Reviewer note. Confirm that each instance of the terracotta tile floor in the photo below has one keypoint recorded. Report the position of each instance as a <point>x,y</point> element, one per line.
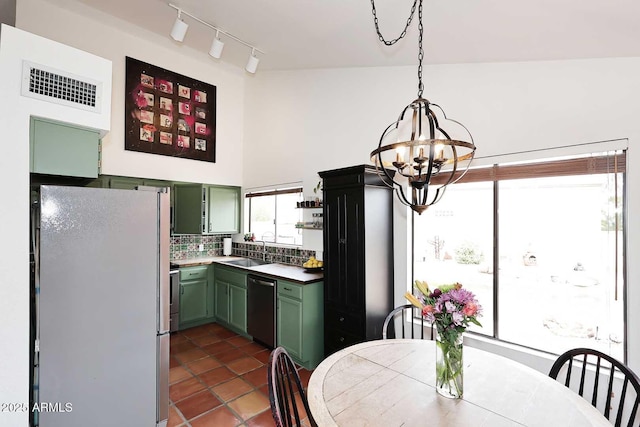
<point>218,378</point>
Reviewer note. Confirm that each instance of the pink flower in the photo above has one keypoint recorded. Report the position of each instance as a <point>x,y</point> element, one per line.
<point>427,309</point>
<point>470,309</point>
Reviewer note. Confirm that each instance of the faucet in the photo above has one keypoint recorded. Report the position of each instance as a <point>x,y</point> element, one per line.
<point>264,243</point>
<point>264,249</point>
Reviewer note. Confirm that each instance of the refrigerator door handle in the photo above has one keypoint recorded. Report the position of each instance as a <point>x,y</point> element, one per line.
<point>163,380</point>
<point>164,314</point>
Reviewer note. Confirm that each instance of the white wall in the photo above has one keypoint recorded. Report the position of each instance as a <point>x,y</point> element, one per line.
<point>93,31</point>
<point>290,125</point>
<point>326,119</point>
<point>15,112</point>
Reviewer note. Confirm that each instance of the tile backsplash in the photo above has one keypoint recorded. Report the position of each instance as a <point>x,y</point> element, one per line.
<point>279,254</point>
<point>185,246</point>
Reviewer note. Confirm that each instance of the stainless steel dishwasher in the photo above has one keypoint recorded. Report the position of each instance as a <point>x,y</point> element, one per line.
<point>261,309</point>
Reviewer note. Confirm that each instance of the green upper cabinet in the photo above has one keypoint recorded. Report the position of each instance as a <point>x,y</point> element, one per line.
<point>124,183</point>
<point>224,210</point>
<point>63,149</point>
<point>206,209</point>
<point>189,209</point>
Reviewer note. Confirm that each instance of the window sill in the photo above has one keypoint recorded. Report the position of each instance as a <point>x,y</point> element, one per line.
<point>535,359</point>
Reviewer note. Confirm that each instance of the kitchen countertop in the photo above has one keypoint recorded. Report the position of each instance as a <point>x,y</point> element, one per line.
<point>277,271</point>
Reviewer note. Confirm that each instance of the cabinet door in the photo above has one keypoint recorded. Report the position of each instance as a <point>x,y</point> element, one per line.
<point>290,325</point>
<point>188,209</point>
<point>155,183</point>
<point>222,301</point>
<point>124,183</point>
<point>193,300</point>
<point>224,210</point>
<point>238,307</point>
<point>344,243</point>
<point>63,149</point>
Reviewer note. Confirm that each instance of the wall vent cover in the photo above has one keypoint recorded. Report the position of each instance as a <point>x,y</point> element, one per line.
<point>60,87</point>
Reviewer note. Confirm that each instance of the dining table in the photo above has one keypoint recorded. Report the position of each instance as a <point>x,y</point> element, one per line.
<point>392,383</point>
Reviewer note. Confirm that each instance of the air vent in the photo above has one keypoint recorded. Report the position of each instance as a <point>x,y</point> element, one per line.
<point>59,87</point>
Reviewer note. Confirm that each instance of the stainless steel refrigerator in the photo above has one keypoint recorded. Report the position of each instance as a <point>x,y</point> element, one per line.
<point>102,307</point>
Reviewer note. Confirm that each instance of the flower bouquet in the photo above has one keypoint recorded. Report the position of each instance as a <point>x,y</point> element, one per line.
<point>451,309</point>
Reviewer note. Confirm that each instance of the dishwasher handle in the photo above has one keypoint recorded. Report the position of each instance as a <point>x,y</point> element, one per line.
<point>260,281</point>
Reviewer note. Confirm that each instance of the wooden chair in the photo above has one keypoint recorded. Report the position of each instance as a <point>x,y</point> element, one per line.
<point>619,390</point>
<point>286,395</point>
<point>401,311</point>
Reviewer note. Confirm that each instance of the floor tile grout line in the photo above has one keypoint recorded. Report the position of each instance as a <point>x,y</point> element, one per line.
<point>224,403</point>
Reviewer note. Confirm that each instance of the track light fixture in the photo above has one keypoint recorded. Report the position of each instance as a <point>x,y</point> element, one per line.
<point>180,30</point>
<point>252,63</point>
<point>216,46</point>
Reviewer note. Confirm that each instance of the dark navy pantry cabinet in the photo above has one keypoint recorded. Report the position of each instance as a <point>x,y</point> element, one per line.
<point>358,255</point>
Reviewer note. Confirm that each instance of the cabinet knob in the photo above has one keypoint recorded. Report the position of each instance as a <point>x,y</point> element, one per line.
<point>342,241</point>
<point>341,339</point>
<point>287,289</point>
<point>342,319</point>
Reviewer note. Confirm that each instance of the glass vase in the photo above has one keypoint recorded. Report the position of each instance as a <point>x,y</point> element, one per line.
<point>449,368</point>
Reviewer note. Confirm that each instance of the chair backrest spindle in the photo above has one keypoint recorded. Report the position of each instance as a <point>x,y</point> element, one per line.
<point>284,383</point>
<point>617,396</point>
<point>400,312</point>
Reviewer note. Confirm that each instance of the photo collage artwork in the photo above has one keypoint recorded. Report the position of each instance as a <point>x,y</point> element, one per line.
<point>169,114</point>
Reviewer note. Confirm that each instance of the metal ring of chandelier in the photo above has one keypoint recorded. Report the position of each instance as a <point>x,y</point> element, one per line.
<point>436,158</point>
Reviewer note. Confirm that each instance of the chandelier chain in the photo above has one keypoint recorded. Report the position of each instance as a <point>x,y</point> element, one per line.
<point>404,32</point>
<point>420,51</point>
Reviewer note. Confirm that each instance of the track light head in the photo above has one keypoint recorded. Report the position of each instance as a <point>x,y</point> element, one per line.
<point>252,63</point>
<point>179,29</point>
<point>216,47</point>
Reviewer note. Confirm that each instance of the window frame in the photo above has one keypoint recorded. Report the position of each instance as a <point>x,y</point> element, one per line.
<point>601,163</point>
<point>297,189</point>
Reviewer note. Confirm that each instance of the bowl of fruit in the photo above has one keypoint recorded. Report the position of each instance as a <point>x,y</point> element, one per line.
<point>312,265</point>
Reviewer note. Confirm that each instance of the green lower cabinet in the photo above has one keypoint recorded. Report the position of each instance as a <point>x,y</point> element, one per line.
<point>222,301</point>
<point>300,321</point>
<point>196,296</point>
<point>193,301</point>
<point>238,307</point>
<point>231,298</point>
<point>290,326</point>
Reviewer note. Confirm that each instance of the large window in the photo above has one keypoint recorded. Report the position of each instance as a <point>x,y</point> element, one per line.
<point>272,215</point>
<point>541,245</point>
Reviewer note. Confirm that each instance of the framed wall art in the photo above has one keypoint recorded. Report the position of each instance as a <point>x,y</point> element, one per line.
<point>169,114</point>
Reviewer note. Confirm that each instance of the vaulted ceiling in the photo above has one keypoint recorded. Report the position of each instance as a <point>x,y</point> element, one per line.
<point>299,34</point>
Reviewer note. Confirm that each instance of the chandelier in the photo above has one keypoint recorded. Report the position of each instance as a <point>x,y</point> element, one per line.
<point>416,155</point>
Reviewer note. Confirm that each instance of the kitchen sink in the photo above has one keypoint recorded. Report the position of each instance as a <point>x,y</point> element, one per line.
<point>247,262</point>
